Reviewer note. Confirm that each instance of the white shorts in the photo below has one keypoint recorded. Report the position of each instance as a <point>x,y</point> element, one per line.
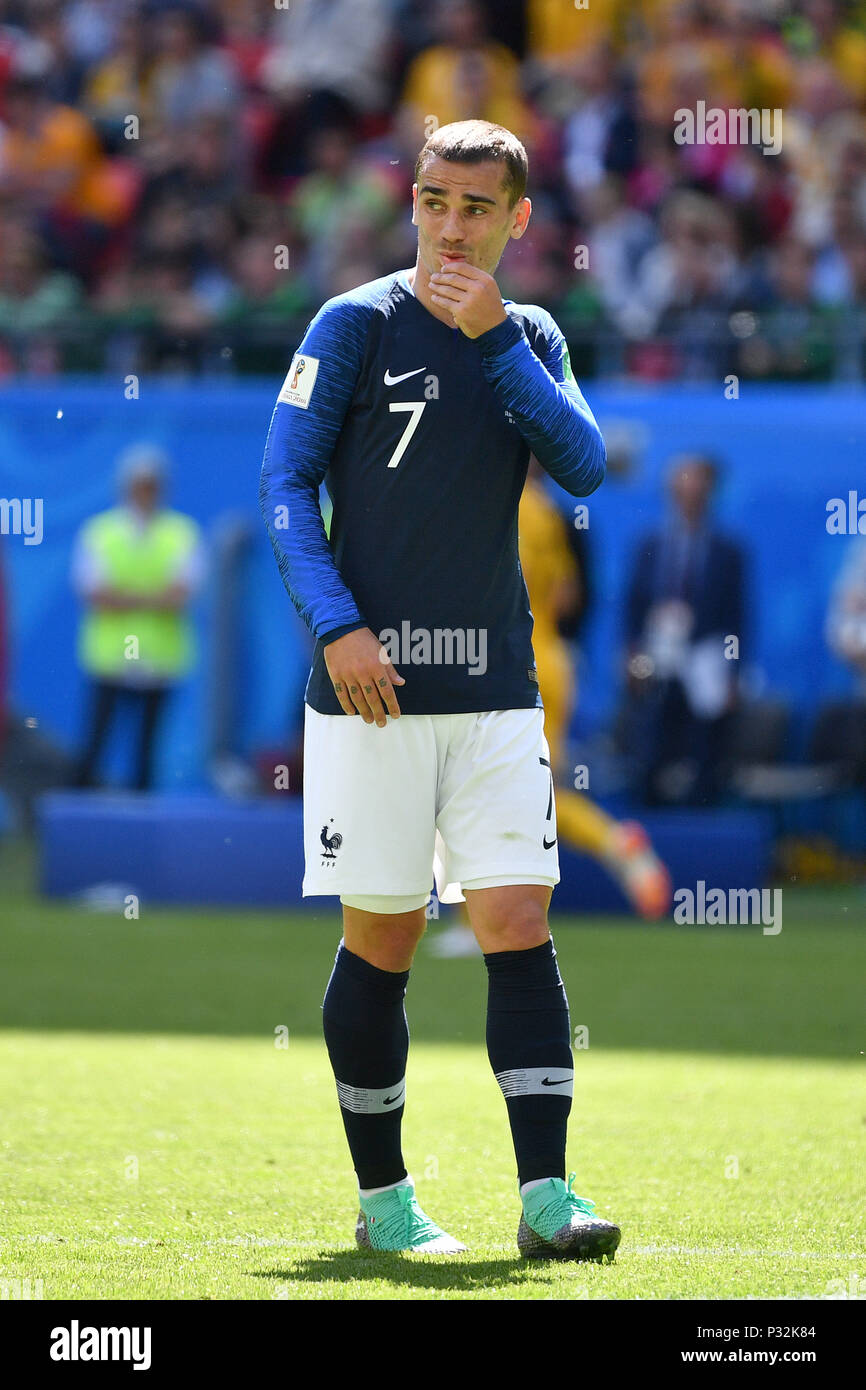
<point>466,799</point>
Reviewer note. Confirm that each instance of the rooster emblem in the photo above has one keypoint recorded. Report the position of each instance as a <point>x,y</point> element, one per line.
<point>331,842</point>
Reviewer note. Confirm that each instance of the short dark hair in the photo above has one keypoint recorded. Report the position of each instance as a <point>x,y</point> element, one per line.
<point>473,142</point>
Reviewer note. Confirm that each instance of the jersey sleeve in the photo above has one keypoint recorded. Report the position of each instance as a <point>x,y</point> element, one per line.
<point>304,428</point>
<point>538,387</point>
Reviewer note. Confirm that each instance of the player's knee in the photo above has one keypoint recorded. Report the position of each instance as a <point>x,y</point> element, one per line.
<point>393,948</point>
<point>522,926</point>
<point>386,940</point>
<point>404,936</point>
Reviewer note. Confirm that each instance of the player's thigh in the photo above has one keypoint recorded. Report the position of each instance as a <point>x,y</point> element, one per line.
<point>369,805</point>
<point>384,939</point>
<point>496,812</point>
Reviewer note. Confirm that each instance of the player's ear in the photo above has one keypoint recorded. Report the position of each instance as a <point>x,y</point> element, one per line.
<point>522,214</point>
<point>414,205</point>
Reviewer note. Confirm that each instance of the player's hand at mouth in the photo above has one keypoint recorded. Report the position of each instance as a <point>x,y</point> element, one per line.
<point>363,677</point>
<point>470,295</point>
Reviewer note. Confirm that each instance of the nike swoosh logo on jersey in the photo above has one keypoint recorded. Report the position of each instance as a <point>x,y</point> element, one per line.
<point>547,1081</point>
<point>552,842</point>
<point>392,380</point>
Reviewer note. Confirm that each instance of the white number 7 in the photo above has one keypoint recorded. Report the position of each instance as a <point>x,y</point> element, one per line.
<point>416,408</point>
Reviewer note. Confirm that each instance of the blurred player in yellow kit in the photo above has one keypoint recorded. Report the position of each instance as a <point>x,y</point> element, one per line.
<point>553,582</point>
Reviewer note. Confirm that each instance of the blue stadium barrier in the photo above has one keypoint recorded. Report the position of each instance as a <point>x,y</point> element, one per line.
<point>200,850</point>
<point>784,452</point>
<point>725,849</point>
<point>172,849</point>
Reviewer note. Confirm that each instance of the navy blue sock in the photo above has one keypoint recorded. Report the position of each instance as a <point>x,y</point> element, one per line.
<point>529,1046</point>
<point>368,1042</point>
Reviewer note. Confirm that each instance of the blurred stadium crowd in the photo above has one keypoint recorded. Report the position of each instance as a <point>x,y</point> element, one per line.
<point>181,185</point>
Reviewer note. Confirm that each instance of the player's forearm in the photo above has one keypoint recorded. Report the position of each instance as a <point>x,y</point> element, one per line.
<point>289,499</point>
<point>552,416</point>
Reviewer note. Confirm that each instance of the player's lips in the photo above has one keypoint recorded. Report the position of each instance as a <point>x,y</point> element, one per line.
<point>452,255</point>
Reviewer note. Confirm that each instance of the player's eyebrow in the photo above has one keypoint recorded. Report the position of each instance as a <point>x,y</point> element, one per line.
<point>468,197</point>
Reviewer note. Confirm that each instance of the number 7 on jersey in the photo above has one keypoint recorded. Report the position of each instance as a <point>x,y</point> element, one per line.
<point>416,409</point>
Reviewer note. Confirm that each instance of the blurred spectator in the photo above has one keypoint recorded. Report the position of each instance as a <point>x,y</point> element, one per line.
<point>34,299</point>
<point>121,83</point>
<point>685,602</point>
<point>50,155</point>
<point>845,230</point>
<point>557,33</point>
<point>600,137</point>
<point>466,74</point>
<point>336,46</point>
<point>192,77</point>
<point>52,166</point>
<point>539,268</point>
<point>193,203</point>
<point>49,56</point>
<point>341,206</point>
<point>686,283</point>
<point>91,29</point>
<point>791,337</point>
<point>135,567</point>
<point>246,111</point>
<point>688,58</point>
<point>169,302</point>
<point>328,66</point>
<point>265,294</point>
<point>619,238</point>
<point>834,30</point>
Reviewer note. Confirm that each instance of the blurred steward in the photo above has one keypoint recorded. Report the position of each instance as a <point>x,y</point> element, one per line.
<point>136,568</point>
<point>4,682</point>
<point>846,636</point>
<point>684,627</point>
<point>846,617</point>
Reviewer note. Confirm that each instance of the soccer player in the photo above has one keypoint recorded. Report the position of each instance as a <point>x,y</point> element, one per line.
<point>419,397</point>
<point>549,568</point>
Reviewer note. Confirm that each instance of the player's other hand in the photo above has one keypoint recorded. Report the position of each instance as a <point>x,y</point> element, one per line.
<point>470,295</point>
<point>363,677</point>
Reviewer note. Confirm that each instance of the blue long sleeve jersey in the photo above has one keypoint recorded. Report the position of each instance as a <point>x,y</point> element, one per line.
<point>423,438</point>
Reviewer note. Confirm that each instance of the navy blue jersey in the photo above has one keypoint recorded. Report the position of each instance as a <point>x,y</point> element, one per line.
<point>423,438</point>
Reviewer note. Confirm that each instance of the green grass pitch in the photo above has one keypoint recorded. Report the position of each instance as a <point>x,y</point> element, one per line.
<point>159,1141</point>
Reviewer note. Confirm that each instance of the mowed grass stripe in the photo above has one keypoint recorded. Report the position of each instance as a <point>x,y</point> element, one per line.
<point>238,1149</point>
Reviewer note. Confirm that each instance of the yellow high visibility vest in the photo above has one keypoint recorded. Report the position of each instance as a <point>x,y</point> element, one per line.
<point>138,643</point>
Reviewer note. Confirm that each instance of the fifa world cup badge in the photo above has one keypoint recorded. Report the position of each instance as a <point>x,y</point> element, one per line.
<point>300,380</point>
